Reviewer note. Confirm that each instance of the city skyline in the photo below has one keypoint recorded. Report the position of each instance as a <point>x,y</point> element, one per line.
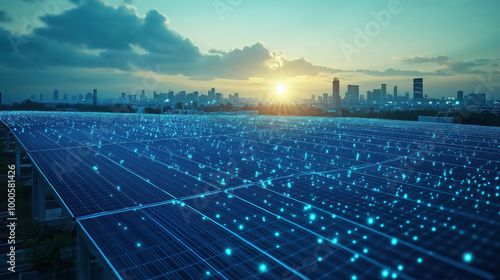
<point>159,46</point>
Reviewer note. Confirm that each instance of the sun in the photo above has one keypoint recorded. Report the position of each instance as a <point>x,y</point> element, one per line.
<point>281,89</point>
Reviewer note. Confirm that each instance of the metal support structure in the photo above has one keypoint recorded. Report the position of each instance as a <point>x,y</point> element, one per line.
<point>7,140</point>
<point>34,194</point>
<point>38,197</point>
<point>18,159</point>
<point>83,258</point>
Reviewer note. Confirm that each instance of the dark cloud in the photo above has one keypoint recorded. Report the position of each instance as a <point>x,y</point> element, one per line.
<point>4,17</point>
<point>450,65</point>
<point>95,35</point>
<point>391,72</point>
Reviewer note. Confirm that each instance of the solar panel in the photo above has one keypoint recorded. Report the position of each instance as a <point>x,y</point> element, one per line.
<point>236,197</point>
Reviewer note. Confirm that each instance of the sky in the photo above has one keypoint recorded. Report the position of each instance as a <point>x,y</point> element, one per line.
<point>249,47</point>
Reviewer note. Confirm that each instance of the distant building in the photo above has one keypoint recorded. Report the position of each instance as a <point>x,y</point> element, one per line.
<point>56,95</point>
<point>211,95</point>
<point>418,89</point>
<point>124,96</point>
<point>33,97</point>
<point>218,97</point>
<point>384,92</point>
<point>41,96</point>
<point>325,98</point>
<point>336,92</point>
<point>395,94</point>
<point>65,97</point>
<point>143,96</point>
<point>94,98</point>
<point>369,97</point>
<point>460,96</point>
<point>352,96</point>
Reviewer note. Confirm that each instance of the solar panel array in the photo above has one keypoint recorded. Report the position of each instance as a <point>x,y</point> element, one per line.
<point>239,197</point>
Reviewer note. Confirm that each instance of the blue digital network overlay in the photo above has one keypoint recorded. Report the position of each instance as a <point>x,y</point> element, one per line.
<point>244,197</point>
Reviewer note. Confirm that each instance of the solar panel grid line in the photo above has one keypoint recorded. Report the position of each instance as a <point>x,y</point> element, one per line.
<point>427,193</point>
<point>417,133</point>
<point>426,252</point>
<point>433,144</point>
<point>404,276</point>
<point>424,151</point>
<point>152,159</point>
<point>134,173</point>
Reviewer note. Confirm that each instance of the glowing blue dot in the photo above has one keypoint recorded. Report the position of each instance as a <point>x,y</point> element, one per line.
<point>365,250</point>
<point>394,241</point>
<point>217,216</point>
<point>95,168</point>
<point>394,275</point>
<point>228,252</point>
<point>433,229</point>
<point>320,240</point>
<point>138,244</point>
<point>263,267</point>
<point>415,238</point>
<point>320,259</point>
<point>419,260</point>
<point>400,267</point>
<point>276,234</point>
<point>370,221</point>
<point>385,273</point>
<point>354,277</point>
<point>467,257</point>
<point>312,217</point>
<point>207,273</point>
<point>334,240</point>
<point>240,227</point>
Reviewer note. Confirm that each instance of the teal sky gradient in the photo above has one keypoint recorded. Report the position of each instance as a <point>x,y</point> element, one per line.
<point>465,31</point>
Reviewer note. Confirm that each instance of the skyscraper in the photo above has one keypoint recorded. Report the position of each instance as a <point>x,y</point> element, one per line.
<point>143,96</point>
<point>384,91</point>
<point>41,96</point>
<point>211,95</point>
<point>325,98</point>
<point>336,93</point>
<point>94,98</point>
<point>65,97</point>
<point>352,94</point>
<point>56,95</point>
<point>395,94</point>
<point>460,96</point>
<point>124,95</point>
<point>418,89</point>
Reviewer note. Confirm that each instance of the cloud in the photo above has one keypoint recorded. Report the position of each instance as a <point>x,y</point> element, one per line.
<point>391,72</point>
<point>95,35</point>
<point>4,17</point>
<point>450,65</point>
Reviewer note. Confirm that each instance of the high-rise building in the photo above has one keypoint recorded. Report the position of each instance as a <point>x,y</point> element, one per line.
<point>211,95</point>
<point>336,91</point>
<point>460,96</point>
<point>377,95</point>
<point>325,98</point>
<point>94,98</point>
<point>313,98</point>
<point>56,95</point>
<point>395,94</point>
<point>352,96</point>
<point>218,97</point>
<point>41,96</point>
<point>369,97</point>
<point>384,91</point>
<point>124,96</point>
<point>143,96</point>
<point>196,96</point>
<point>65,97</point>
<point>418,89</point>
<point>33,97</point>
